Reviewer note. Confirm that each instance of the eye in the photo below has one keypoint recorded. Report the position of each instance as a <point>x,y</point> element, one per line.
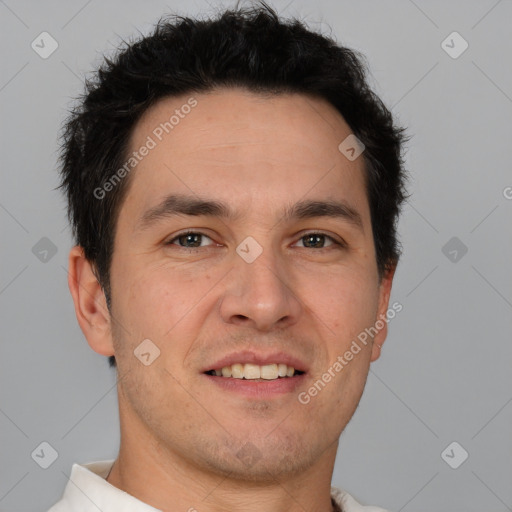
<point>318,241</point>
<point>190,240</point>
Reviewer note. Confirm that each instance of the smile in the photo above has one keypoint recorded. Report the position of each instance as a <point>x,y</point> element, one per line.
<point>250,371</point>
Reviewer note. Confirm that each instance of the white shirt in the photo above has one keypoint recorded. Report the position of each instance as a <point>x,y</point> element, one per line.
<point>88,491</point>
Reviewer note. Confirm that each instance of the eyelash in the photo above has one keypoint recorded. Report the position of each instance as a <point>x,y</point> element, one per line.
<point>190,232</point>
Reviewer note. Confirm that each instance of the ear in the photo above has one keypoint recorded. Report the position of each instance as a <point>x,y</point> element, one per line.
<point>90,303</point>
<point>384,294</point>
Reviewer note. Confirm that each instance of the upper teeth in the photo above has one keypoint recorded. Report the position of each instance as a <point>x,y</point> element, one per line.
<point>254,371</point>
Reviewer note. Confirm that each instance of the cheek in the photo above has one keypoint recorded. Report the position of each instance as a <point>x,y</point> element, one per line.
<point>156,300</point>
<point>344,301</point>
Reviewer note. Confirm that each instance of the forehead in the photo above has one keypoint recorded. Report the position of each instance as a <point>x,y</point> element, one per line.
<point>250,149</point>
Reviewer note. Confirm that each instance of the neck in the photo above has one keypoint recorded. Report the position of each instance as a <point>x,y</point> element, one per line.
<point>164,480</point>
<point>170,491</point>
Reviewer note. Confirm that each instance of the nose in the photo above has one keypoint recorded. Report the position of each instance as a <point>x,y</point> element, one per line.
<point>260,294</point>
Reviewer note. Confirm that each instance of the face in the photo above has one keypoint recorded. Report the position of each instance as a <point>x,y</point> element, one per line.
<point>244,244</point>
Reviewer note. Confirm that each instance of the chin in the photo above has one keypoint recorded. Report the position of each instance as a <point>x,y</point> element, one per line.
<point>262,460</point>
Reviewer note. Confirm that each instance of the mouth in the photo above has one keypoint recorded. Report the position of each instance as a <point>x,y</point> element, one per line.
<point>255,372</point>
<point>257,376</point>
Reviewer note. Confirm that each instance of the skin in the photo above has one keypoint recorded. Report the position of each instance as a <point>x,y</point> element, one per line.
<point>180,434</point>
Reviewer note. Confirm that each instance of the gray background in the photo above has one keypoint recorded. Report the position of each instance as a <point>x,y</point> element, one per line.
<point>444,374</point>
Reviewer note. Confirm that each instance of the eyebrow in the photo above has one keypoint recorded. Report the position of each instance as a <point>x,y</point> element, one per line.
<point>181,204</point>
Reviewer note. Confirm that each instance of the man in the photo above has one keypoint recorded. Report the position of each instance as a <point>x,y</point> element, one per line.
<point>234,187</point>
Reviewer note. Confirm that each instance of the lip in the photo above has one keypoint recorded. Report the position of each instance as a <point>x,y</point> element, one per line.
<point>257,388</point>
<point>251,357</point>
